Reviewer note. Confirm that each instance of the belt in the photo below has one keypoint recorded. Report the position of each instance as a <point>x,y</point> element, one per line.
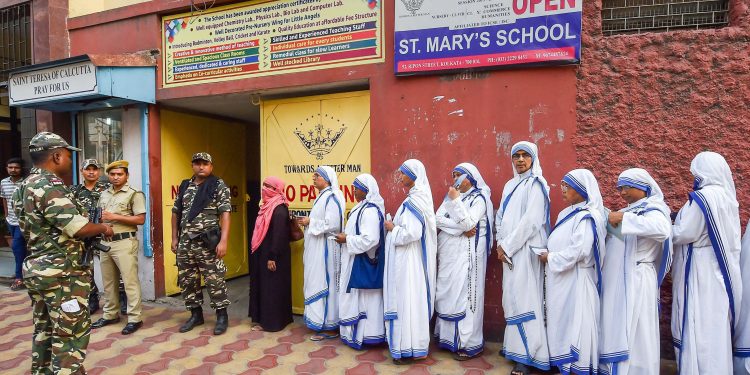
<point>122,236</point>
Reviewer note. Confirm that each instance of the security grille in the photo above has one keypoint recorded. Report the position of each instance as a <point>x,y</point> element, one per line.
<point>15,38</point>
<point>640,16</point>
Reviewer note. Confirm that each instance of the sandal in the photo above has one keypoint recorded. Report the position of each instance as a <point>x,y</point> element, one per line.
<point>461,356</point>
<point>257,328</point>
<point>323,336</point>
<point>17,285</point>
<point>520,369</point>
<point>402,361</point>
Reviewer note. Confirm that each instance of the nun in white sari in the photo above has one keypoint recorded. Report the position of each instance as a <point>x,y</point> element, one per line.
<point>322,256</point>
<point>362,265</point>
<point>465,223</point>
<point>522,224</point>
<point>707,285</point>
<point>409,280</point>
<point>573,266</point>
<point>742,336</point>
<point>638,258</point>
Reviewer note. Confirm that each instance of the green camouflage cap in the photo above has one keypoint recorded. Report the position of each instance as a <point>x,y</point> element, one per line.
<point>202,156</point>
<point>49,141</point>
<point>88,162</point>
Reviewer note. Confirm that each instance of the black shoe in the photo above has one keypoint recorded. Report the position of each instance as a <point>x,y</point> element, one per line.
<point>123,303</point>
<point>131,327</point>
<point>104,322</point>
<point>222,321</point>
<point>93,304</point>
<point>196,319</point>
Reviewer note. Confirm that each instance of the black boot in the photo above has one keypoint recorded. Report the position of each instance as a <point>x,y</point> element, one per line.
<point>123,303</point>
<point>196,319</point>
<point>222,321</point>
<point>93,303</point>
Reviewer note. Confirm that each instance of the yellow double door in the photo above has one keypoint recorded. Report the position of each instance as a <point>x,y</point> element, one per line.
<point>297,135</point>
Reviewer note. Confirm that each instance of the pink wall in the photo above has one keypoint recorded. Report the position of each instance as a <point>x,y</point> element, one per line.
<point>656,100</point>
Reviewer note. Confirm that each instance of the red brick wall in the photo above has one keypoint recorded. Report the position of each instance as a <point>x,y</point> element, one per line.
<point>656,100</point>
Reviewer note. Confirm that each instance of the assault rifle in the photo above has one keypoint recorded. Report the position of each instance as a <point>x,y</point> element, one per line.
<point>94,244</point>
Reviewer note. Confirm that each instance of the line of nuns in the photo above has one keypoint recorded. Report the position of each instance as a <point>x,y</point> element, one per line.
<point>581,295</point>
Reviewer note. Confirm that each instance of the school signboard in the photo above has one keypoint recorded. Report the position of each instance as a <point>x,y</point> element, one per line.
<point>443,35</point>
<point>261,38</point>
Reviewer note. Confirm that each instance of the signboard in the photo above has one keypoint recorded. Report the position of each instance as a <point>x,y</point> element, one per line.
<point>59,82</point>
<point>300,134</point>
<point>270,37</point>
<point>443,35</point>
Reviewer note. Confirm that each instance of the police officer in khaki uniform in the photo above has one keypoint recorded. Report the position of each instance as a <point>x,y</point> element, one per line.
<point>54,272</point>
<point>125,208</point>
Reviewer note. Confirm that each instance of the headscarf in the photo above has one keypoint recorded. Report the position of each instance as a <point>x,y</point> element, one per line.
<point>420,194</point>
<point>531,149</point>
<point>711,169</point>
<point>534,172</point>
<point>272,197</point>
<point>716,196</point>
<point>367,183</point>
<point>329,174</point>
<point>640,179</point>
<point>473,175</point>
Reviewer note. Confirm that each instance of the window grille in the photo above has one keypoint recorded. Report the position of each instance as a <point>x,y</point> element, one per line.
<point>15,38</point>
<point>640,16</point>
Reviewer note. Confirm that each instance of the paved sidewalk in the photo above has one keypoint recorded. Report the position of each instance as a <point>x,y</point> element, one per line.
<point>158,348</point>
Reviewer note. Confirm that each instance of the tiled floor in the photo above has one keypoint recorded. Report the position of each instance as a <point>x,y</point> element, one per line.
<point>158,348</point>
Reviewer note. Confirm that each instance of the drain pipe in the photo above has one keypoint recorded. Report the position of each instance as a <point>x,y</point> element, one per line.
<point>148,248</point>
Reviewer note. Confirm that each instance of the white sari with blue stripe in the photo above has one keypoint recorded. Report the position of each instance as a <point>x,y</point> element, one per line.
<point>462,265</point>
<point>630,311</point>
<point>637,261</point>
<point>742,336</point>
<point>572,296</point>
<point>322,262</point>
<point>409,279</point>
<point>523,225</point>
<point>707,285</point>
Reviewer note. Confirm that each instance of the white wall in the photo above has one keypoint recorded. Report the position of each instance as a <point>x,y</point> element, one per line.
<point>131,144</point>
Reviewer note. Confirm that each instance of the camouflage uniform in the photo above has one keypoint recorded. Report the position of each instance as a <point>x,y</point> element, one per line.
<point>57,281</point>
<point>194,258</point>
<point>87,200</point>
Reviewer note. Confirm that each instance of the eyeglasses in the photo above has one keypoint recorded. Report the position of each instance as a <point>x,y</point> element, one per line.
<point>624,188</point>
<point>518,156</point>
<point>564,187</point>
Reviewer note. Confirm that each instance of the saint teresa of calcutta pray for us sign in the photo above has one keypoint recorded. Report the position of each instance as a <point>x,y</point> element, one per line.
<point>439,35</point>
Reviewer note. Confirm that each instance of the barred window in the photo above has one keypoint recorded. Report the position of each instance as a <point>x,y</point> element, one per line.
<point>640,16</point>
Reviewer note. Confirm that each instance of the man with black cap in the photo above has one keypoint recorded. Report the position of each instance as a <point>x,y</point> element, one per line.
<point>124,207</point>
<point>200,229</point>
<point>54,273</point>
<point>87,196</point>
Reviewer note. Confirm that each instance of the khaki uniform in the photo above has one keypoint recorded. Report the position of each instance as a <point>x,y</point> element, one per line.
<point>122,259</point>
<point>57,281</point>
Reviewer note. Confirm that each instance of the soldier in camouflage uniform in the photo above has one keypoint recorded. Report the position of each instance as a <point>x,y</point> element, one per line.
<point>200,212</point>
<point>87,196</point>
<point>57,281</point>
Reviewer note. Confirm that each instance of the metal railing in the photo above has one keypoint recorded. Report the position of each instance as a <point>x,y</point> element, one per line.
<point>640,16</point>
